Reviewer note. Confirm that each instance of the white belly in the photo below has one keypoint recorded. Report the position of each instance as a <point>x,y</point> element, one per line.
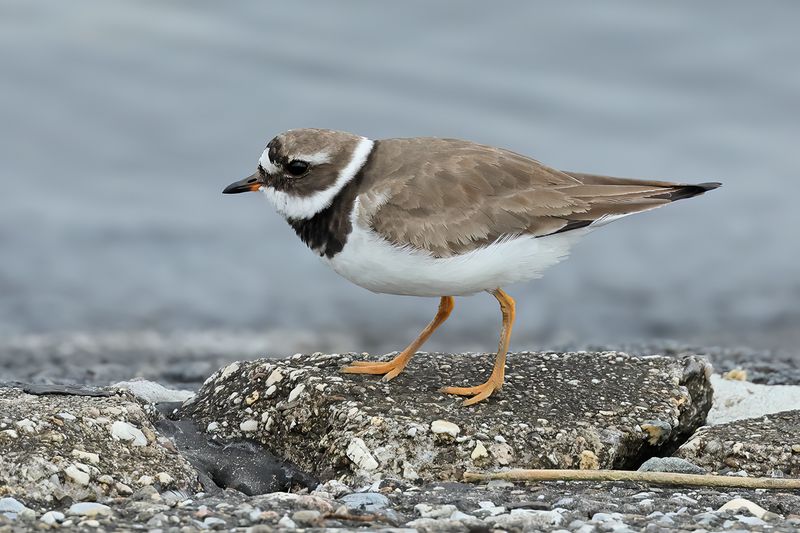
<point>375,264</point>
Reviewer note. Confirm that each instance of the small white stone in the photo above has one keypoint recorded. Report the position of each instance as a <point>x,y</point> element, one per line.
<point>164,478</point>
<point>358,452</point>
<point>297,391</point>
<point>287,523</point>
<point>249,425</point>
<point>739,503</point>
<point>10,433</point>
<point>273,378</point>
<point>52,517</point>
<point>212,427</point>
<point>479,451</point>
<point>499,438</point>
<point>77,475</point>
<point>123,489</point>
<point>409,472</point>
<point>89,509</point>
<point>26,425</point>
<point>146,480</point>
<point>230,369</point>
<point>127,432</point>
<point>271,390</point>
<point>86,456</point>
<point>67,416</point>
<point>412,432</point>
<point>443,426</point>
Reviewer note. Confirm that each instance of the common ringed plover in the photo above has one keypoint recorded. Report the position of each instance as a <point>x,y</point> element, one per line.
<point>439,217</point>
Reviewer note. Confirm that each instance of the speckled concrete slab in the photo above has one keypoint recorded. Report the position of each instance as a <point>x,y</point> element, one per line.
<point>765,446</point>
<point>557,410</point>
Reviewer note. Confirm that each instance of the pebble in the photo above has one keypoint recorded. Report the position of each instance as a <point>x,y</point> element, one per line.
<point>287,523</point>
<point>89,509</point>
<point>737,504</point>
<point>249,425</point>
<point>426,510</point>
<point>274,377</point>
<point>127,432</point>
<point>306,517</point>
<point>479,451</point>
<point>52,517</point>
<point>365,501</point>
<point>670,464</point>
<point>77,475</point>
<point>296,392</point>
<point>445,427</point>
<point>11,505</point>
<point>358,452</point>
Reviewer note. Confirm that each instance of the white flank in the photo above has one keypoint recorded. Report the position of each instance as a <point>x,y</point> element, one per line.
<point>302,207</point>
<point>376,264</point>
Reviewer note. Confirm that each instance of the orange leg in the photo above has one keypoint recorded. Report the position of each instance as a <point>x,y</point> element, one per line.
<point>391,369</point>
<point>495,381</point>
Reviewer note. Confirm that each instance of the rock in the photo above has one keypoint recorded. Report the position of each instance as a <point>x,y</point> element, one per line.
<point>357,428</point>
<point>443,426</point>
<point>76,456</point>
<point>479,452</point>
<point>306,517</point>
<point>11,507</point>
<point>152,392</point>
<point>670,464</point>
<point>360,455</point>
<point>89,509</point>
<point>77,474</point>
<point>52,517</point>
<point>369,502</point>
<point>759,447</point>
<point>738,400</point>
<point>125,431</point>
<point>737,504</point>
<point>287,523</point>
<point>426,510</point>
<point>526,519</point>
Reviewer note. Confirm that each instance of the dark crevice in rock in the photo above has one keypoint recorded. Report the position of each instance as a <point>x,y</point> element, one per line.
<point>241,464</point>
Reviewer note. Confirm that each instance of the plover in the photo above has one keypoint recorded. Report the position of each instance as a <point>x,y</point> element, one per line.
<point>439,218</point>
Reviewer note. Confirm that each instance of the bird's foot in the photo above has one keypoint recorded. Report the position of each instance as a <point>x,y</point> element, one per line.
<point>478,393</point>
<point>389,369</point>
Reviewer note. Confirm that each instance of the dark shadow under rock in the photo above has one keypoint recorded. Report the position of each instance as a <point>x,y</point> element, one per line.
<point>764,446</point>
<point>556,410</point>
<point>240,464</point>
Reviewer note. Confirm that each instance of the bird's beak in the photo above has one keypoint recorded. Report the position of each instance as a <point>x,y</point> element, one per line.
<point>248,184</point>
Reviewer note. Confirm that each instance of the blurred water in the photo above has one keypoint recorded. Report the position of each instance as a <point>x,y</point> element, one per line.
<point>120,122</point>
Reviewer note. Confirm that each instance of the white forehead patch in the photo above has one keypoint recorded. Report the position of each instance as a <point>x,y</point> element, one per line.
<point>303,207</point>
<point>266,163</point>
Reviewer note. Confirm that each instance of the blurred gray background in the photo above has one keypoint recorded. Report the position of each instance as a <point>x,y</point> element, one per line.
<point>120,123</point>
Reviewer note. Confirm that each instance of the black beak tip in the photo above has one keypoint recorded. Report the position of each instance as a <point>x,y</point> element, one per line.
<point>247,184</point>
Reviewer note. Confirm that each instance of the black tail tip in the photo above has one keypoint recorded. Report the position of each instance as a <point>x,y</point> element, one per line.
<point>710,186</point>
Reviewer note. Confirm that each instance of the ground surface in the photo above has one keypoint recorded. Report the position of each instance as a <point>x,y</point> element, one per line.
<point>88,458</point>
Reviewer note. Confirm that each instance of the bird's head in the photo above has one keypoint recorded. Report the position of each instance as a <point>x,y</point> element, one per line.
<point>301,170</point>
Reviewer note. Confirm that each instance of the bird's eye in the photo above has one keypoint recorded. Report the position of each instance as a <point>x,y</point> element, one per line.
<point>297,167</point>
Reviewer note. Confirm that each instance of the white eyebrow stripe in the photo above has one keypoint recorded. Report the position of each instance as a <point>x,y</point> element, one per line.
<point>315,159</point>
<point>304,207</point>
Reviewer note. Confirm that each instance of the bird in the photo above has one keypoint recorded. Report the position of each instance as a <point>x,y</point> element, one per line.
<point>439,217</point>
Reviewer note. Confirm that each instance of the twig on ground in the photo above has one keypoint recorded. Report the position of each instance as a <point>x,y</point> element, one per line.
<point>654,478</point>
